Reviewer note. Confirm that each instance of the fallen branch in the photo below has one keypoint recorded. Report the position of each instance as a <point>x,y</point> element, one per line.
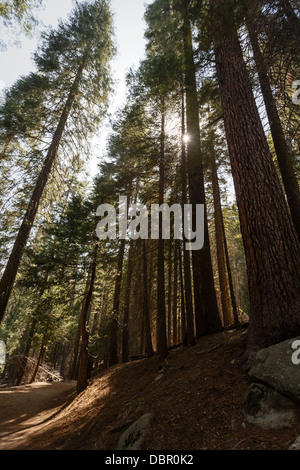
<point>40,367</point>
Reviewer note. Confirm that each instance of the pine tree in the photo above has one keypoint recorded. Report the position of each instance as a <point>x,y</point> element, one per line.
<point>75,57</point>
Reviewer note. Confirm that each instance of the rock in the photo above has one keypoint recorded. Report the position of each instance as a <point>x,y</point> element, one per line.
<point>296,445</point>
<point>134,436</point>
<point>268,409</point>
<point>274,367</point>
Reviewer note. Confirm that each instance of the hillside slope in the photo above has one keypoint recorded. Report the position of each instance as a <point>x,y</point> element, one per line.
<point>196,398</point>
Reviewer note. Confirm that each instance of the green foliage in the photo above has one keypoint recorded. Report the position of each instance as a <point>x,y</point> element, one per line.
<point>18,16</point>
<point>20,11</point>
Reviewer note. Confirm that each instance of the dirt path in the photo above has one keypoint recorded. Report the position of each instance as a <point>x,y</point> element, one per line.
<point>23,409</point>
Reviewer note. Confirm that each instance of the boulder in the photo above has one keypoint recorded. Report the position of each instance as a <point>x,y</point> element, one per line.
<point>295,445</point>
<point>266,408</point>
<point>134,437</point>
<point>277,367</point>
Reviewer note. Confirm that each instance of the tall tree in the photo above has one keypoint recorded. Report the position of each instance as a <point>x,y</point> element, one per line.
<point>284,157</point>
<point>188,303</point>
<point>82,380</point>
<point>77,56</point>
<point>270,241</point>
<point>220,245</point>
<point>206,308</point>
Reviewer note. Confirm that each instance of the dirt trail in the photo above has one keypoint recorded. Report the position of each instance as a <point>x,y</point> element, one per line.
<point>24,409</point>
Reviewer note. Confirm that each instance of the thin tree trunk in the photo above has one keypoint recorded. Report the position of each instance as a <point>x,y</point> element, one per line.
<point>189,310</point>
<point>284,157</point>
<point>82,380</point>
<point>40,357</point>
<point>229,272</point>
<point>65,354</point>
<point>169,329</point>
<point>271,244</point>
<point>146,304</point>
<point>227,314</point>
<point>162,344</point>
<point>113,345</point>
<point>175,296</point>
<point>125,332</point>
<point>73,369</point>
<point>182,291</point>
<point>25,354</point>
<point>9,275</point>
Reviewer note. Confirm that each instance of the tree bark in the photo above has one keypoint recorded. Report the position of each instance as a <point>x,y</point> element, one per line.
<point>146,303</point>
<point>40,357</point>
<point>125,332</point>
<point>25,354</point>
<point>227,314</point>
<point>284,157</point>
<point>270,240</point>
<point>113,345</point>
<point>182,292</point>
<point>82,380</point>
<point>162,344</point>
<point>189,308</point>
<point>206,308</point>
<point>230,280</point>
<point>175,296</point>
<point>169,314</point>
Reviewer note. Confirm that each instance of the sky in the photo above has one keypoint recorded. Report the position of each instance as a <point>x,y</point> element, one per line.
<point>129,32</point>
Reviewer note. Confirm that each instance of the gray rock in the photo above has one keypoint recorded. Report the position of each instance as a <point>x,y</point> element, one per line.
<point>274,367</point>
<point>268,409</point>
<point>296,445</point>
<point>134,437</point>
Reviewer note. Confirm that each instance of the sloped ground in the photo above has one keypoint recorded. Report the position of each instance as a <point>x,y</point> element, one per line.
<point>196,398</point>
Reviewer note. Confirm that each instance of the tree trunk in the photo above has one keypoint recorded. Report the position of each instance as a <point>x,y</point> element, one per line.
<point>65,354</point>
<point>40,357</point>
<point>125,332</point>
<point>82,380</point>
<point>169,323</point>
<point>270,240</point>
<point>113,345</point>
<point>146,309</point>
<point>284,157</point>
<point>231,286</point>
<point>189,309</point>
<point>227,314</point>
<point>162,345</point>
<point>175,296</point>
<point>73,369</point>
<point>9,275</point>
<point>182,292</point>
<point>206,308</point>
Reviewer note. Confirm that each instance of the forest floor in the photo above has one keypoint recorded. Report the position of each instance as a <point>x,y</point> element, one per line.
<point>196,398</point>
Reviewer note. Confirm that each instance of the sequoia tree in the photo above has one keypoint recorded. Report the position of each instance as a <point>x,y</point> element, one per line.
<point>284,157</point>
<point>270,240</point>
